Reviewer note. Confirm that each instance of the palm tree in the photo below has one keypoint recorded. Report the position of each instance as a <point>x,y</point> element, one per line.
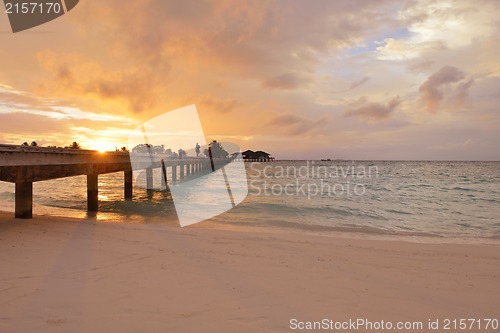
<point>217,150</point>
<point>74,145</point>
<point>142,148</point>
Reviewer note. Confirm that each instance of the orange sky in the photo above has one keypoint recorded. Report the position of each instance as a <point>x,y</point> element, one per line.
<point>300,79</point>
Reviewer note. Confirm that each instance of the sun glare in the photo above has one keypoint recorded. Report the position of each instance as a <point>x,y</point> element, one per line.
<point>101,146</point>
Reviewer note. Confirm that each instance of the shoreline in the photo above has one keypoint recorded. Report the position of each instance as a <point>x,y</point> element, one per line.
<point>320,231</point>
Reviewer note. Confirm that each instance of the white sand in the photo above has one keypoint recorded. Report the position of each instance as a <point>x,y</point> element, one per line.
<point>80,276</point>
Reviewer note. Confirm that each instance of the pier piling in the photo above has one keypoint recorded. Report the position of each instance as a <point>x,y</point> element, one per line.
<point>128,184</point>
<point>174,172</point>
<point>164,180</point>
<point>24,200</point>
<point>92,193</point>
<point>149,178</point>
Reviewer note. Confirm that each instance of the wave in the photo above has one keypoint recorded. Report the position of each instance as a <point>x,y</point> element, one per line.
<point>325,211</point>
<point>467,189</point>
<point>469,226</point>
<point>398,212</point>
<point>286,224</point>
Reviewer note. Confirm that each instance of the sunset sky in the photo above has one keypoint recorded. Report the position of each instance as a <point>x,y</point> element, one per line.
<point>417,80</point>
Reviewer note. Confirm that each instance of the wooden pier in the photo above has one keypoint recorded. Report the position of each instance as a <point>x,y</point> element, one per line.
<point>24,165</point>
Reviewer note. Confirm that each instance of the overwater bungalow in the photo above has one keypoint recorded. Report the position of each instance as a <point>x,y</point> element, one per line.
<point>256,156</point>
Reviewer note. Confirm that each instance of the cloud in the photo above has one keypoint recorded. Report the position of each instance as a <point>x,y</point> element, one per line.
<point>18,127</point>
<point>296,125</point>
<point>362,108</point>
<point>447,83</point>
<point>419,66</point>
<point>27,117</point>
<point>154,52</point>
<point>437,26</point>
<point>76,76</point>
<point>14,100</point>
<point>28,123</point>
<point>257,40</point>
<point>213,103</point>
<point>287,81</point>
<point>393,49</point>
<point>451,22</point>
<point>355,84</point>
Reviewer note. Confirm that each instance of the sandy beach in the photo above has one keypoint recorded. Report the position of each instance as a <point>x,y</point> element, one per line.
<point>63,275</point>
<point>250,166</point>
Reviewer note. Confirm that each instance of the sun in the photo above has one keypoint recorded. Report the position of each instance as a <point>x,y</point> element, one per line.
<point>101,146</point>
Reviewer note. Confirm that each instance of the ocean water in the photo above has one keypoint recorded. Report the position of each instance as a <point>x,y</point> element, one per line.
<point>448,199</point>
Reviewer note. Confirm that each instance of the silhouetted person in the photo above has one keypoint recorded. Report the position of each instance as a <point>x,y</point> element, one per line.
<point>197,149</point>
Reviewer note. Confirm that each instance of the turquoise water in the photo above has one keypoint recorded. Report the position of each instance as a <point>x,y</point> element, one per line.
<point>410,198</point>
<point>416,198</point>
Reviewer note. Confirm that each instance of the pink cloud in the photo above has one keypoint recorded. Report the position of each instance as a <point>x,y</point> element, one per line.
<point>372,110</point>
<point>448,83</point>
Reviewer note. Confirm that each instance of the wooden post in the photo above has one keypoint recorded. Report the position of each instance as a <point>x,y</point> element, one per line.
<point>24,200</point>
<point>149,178</point>
<point>211,158</point>
<point>174,172</point>
<point>128,185</point>
<point>92,193</point>
<point>181,174</point>
<point>188,169</point>
<point>164,180</point>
